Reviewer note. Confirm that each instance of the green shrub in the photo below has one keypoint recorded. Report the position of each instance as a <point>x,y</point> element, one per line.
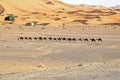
<point>10,18</point>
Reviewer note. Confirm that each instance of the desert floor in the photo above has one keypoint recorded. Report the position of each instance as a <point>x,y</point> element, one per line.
<point>59,60</point>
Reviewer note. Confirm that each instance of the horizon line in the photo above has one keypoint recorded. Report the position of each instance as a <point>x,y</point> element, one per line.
<point>97,4</point>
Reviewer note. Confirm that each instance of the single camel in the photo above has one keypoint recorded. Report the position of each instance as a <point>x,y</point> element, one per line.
<point>99,39</point>
<point>85,39</point>
<point>93,40</point>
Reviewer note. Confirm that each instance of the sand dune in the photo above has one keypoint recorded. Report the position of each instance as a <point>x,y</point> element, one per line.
<point>56,13</point>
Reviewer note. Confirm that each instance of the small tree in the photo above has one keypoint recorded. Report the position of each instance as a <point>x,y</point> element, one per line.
<point>10,18</point>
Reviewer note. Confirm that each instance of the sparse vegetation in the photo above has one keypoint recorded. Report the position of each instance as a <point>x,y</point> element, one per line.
<point>41,66</point>
<point>27,18</point>
<point>80,65</point>
<point>10,18</point>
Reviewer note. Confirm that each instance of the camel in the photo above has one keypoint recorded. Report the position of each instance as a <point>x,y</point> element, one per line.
<point>80,39</point>
<point>99,39</point>
<point>45,38</point>
<point>69,39</point>
<point>55,39</point>
<point>93,40</point>
<point>20,38</point>
<point>59,39</point>
<point>26,38</point>
<point>73,39</point>
<point>64,39</point>
<point>35,38</point>
<point>40,38</point>
<point>85,39</point>
<point>30,38</point>
<point>50,38</point>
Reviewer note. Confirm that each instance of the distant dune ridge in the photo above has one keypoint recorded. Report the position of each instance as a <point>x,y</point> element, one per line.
<point>49,11</point>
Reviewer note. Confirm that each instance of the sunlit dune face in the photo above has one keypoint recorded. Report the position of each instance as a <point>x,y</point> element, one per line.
<point>57,13</point>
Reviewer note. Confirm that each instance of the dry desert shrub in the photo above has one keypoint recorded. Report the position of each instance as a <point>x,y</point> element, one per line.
<point>27,17</point>
<point>80,65</point>
<point>41,66</point>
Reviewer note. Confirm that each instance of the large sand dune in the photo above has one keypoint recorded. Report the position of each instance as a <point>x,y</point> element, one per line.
<point>56,12</point>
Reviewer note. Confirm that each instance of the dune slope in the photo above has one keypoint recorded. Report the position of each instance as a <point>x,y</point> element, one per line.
<point>1,9</point>
<point>56,13</point>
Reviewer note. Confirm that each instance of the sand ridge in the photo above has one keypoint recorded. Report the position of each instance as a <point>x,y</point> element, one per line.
<point>57,13</point>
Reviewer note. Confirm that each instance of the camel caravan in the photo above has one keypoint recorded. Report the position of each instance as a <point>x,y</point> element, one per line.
<point>60,39</point>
